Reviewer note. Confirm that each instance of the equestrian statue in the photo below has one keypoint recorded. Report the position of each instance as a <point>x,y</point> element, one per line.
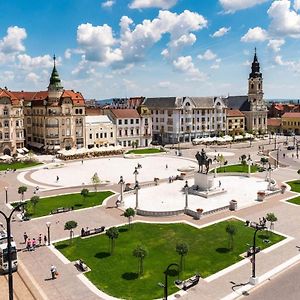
<point>203,160</point>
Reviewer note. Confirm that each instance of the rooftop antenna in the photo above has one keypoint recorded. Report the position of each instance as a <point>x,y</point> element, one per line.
<point>54,59</point>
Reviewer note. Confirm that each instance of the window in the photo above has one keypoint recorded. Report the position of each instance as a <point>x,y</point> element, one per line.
<point>105,134</point>
<point>111,134</point>
<point>120,132</point>
<point>5,111</point>
<point>97,135</point>
<point>125,121</point>
<point>137,131</point>
<point>6,123</point>
<point>1,136</point>
<point>137,121</point>
<point>126,132</point>
<point>131,131</point>
<point>68,122</point>
<point>6,135</point>
<point>120,122</point>
<point>131,121</point>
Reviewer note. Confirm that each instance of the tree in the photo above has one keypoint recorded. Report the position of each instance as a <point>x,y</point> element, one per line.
<point>221,160</point>
<point>140,253</point>
<point>21,190</point>
<point>95,180</point>
<point>84,193</point>
<point>231,231</point>
<point>70,225</point>
<point>34,201</point>
<point>113,234</point>
<point>298,172</point>
<point>264,161</point>
<point>129,213</point>
<point>272,219</point>
<point>30,156</point>
<point>182,249</point>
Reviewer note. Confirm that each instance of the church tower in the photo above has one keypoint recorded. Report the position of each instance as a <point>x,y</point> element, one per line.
<point>55,89</point>
<point>255,86</point>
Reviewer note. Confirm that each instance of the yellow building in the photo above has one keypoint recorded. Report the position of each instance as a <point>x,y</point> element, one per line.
<point>235,121</point>
<point>291,122</point>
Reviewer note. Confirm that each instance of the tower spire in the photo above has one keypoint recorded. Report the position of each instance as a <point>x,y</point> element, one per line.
<point>255,68</point>
<point>54,59</point>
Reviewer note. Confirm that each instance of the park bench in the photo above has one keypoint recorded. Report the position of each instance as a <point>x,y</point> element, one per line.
<point>92,231</point>
<point>190,282</point>
<point>61,210</point>
<point>81,265</point>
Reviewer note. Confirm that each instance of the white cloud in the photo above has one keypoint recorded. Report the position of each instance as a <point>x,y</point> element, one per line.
<point>290,64</point>
<point>222,31</point>
<point>276,44</point>
<point>13,41</point>
<point>32,77</point>
<point>256,34</point>
<point>68,53</point>
<point>108,3</point>
<point>164,84</point>
<point>99,45</point>
<point>165,53</point>
<point>284,20</point>
<point>231,6</point>
<point>215,66</point>
<point>296,5</point>
<point>184,64</point>
<point>247,63</point>
<point>207,55</point>
<point>28,62</point>
<point>164,4</point>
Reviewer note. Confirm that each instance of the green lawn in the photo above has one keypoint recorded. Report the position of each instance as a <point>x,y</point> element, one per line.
<point>18,165</point>
<point>46,205</point>
<point>237,168</point>
<point>145,151</point>
<point>117,274</point>
<point>295,185</point>
<point>295,200</point>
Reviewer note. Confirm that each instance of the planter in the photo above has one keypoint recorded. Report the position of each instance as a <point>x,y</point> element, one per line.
<point>283,188</point>
<point>199,212</point>
<point>233,205</point>
<point>261,195</point>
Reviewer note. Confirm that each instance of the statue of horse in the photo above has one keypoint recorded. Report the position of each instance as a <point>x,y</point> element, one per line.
<point>203,160</point>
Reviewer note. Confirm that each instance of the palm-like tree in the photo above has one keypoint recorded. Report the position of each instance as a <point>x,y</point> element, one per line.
<point>95,180</point>
<point>34,201</point>
<point>113,234</point>
<point>272,219</point>
<point>22,190</point>
<point>84,193</point>
<point>231,231</point>
<point>129,213</point>
<point>140,253</point>
<point>182,249</point>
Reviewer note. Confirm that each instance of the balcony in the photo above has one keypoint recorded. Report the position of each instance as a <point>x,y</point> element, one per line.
<point>53,136</point>
<point>52,125</point>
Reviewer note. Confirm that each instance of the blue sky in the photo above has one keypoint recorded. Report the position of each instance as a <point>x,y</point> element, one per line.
<point>122,48</point>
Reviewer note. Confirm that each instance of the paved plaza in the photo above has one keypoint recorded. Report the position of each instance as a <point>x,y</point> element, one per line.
<point>227,284</point>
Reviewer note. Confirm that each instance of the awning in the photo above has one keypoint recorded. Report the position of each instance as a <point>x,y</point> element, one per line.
<point>56,147</point>
<point>36,145</point>
<point>25,149</point>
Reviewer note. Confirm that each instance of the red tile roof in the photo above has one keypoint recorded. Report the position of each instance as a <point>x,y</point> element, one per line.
<point>274,122</point>
<point>125,113</point>
<point>234,113</point>
<point>291,115</point>
<point>13,99</point>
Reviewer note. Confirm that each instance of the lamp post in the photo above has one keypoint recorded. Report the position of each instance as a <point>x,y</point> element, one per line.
<point>249,161</point>
<point>186,191</point>
<point>257,227</point>
<point>135,173</point>
<point>48,224</point>
<point>6,196</point>
<point>275,141</point>
<point>121,183</point>
<point>166,279</point>
<point>215,169</point>
<point>137,187</point>
<point>10,277</point>
<point>277,157</point>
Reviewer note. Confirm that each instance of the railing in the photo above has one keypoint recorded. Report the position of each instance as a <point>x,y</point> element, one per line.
<point>159,213</point>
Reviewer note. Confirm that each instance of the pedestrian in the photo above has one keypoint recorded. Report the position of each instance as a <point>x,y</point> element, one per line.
<point>45,240</point>
<point>33,244</point>
<point>220,183</point>
<point>53,271</point>
<point>25,237</point>
<point>40,240</point>
<point>57,178</point>
<point>28,245</point>
<point>82,161</point>
<point>166,166</point>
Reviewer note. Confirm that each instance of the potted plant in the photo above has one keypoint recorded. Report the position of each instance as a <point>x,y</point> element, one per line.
<point>283,188</point>
<point>199,213</point>
<point>261,195</point>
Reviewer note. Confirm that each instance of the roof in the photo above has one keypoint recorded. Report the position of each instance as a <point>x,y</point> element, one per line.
<point>30,96</point>
<point>161,102</point>
<point>13,99</point>
<point>234,113</point>
<point>93,111</point>
<point>275,122</point>
<point>291,115</point>
<point>237,102</point>
<point>202,101</point>
<point>97,119</point>
<point>76,97</point>
<point>125,113</point>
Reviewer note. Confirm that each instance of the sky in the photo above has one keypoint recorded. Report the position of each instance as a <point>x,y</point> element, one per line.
<point>126,48</point>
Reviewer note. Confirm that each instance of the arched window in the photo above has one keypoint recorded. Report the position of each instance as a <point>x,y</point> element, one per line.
<point>259,86</point>
<point>252,86</point>
<point>1,136</point>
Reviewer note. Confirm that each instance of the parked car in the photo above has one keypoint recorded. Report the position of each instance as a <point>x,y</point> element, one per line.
<point>291,148</point>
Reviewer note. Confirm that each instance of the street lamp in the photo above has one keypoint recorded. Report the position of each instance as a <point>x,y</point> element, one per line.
<point>275,141</point>
<point>249,161</point>
<point>215,169</point>
<point>257,227</point>
<point>277,157</point>
<point>137,187</point>
<point>186,190</point>
<point>121,183</point>
<point>48,224</point>
<point>6,198</point>
<point>10,277</point>
<point>135,173</point>
<point>165,286</point>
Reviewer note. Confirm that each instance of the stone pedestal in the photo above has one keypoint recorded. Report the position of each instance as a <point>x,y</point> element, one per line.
<point>254,280</point>
<point>203,181</point>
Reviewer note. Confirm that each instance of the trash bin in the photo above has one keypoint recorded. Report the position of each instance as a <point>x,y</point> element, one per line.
<point>233,205</point>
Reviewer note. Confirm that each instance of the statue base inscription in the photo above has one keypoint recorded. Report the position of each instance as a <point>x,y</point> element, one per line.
<point>203,182</point>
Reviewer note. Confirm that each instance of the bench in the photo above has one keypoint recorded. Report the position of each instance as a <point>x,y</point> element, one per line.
<point>81,265</point>
<point>61,210</point>
<point>92,231</point>
<point>190,282</point>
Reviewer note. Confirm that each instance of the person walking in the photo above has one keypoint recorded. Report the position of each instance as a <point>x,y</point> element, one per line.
<point>25,237</point>
<point>57,178</point>
<point>28,244</point>
<point>45,240</point>
<point>220,183</point>
<point>53,271</point>
<point>33,244</point>
<point>40,240</point>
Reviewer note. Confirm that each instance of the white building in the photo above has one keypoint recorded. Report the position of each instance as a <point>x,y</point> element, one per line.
<point>180,119</point>
<point>99,131</point>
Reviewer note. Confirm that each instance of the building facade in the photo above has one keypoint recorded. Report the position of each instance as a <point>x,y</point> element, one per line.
<point>11,123</point>
<point>180,119</point>
<point>291,123</point>
<point>99,131</point>
<point>235,122</point>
